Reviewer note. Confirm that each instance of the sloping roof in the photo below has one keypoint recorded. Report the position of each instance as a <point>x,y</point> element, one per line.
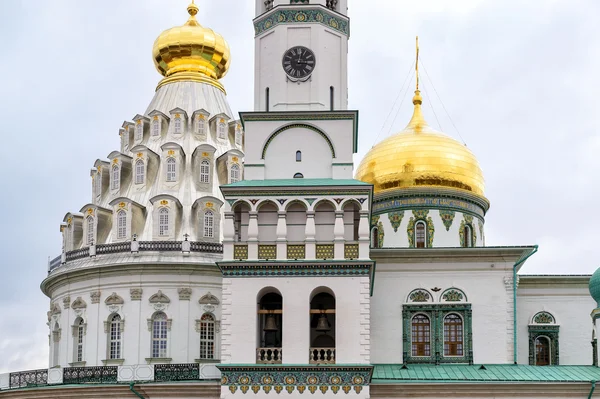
<point>489,373</point>
<point>296,182</point>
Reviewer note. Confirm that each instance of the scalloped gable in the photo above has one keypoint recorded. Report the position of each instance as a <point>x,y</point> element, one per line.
<point>79,303</point>
<point>159,297</point>
<point>208,299</point>
<point>114,299</point>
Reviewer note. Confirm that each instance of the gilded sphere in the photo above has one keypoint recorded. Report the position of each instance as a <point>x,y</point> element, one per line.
<point>191,49</point>
<point>419,156</point>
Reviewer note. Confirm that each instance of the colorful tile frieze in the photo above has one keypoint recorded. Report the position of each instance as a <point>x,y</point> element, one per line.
<point>420,214</point>
<point>429,202</point>
<point>295,269</point>
<point>300,379</point>
<point>396,219</point>
<point>305,15</point>
<point>447,218</point>
<point>467,221</point>
<point>380,235</point>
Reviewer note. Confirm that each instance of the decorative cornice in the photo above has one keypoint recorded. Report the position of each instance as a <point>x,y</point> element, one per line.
<point>114,299</point>
<point>185,293</point>
<point>294,269</point>
<point>136,294</point>
<point>317,15</point>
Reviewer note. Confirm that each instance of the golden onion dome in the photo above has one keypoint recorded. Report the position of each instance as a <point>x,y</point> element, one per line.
<point>191,53</point>
<point>419,156</point>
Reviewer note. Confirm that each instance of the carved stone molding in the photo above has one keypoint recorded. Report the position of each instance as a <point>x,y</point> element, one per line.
<point>185,293</point>
<point>159,297</point>
<point>208,299</point>
<point>95,296</point>
<point>136,294</point>
<point>67,302</point>
<point>79,303</point>
<point>114,299</point>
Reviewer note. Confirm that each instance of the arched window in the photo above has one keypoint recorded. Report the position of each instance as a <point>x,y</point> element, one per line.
<point>298,156</point>
<point>56,345</point>
<point>171,170</point>
<point>322,328</point>
<point>200,125</point>
<point>177,127</point>
<point>90,230</point>
<point>115,337</point>
<point>209,221</point>
<point>121,224</point>
<point>139,131</point>
<point>204,171</point>
<point>468,243</point>
<point>116,177</point>
<point>140,172</point>
<point>421,335</point>
<point>155,127</point>
<point>375,238</point>
<point>159,335</point>
<point>298,176</point>
<point>420,234</point>
<point>78,333</point>
<point>163,222</point>
<point>221,129</point>
<point>235,173</point>
<point>453,335</point>
<point>207,336</point>
<point>542,351</point>
<point>270,317</point>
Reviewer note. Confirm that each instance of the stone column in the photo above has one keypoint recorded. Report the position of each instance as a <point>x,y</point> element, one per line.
<point>281,235</point>
<point>363,235</point>
<point>338,235</point>
<point>310,236</point>
<point>253,235</point>
<point>228,235</point>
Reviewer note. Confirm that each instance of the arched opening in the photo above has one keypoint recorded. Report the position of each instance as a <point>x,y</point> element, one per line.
<point>468,234</point>
<point>78,334</point>
<point>115,335</point>
<point>200,125</point>
<point>542,351</point>
<point>90,230</point>
<point>177,128</point>
<point>267,222</point>
<point>374,237</point>
<point>324,221</point>
<point>159,335</point>
<point>155,127</point>
<point>298,156</point>
<point>116,175</point>
<point>322,328</point>
<point>207,336</point>
<point>421,335</point>
<point>351,221</point>
<point>295,220</point>
<point>240,221</point>
<point>270,327</point>
<point>298,176</point>
<point>420,234</point>
<point>453,335</point>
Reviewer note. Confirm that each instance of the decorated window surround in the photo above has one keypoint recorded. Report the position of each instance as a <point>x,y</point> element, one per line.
<point>543,325</point>
<point>173,162</point>
<point>173,206</point>
<point>207,328</point>
<point>79,332</point>
<point>437,312</point>
<point>201,206</point>
<point>219,127</point>
<point>200,123</point>
<point>159,122</point>
<point>178,123</point>
<point>114,331</point>
<point>159,336</point>
<point>134,217</point>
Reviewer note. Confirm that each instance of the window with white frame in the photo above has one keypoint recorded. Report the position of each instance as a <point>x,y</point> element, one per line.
<point>209,223</point>
<point>121,224</point>
<point>204,171</point>
<point>140,172</point>
<point>139,131</point>
<point>207,336</point>
<point>98,184</point>
<point>78,333</point>
<point>159,335</point>
<point>116,178</point>
<point>221,130</point>
<point>200,125</point>
<point>90,230</point>
<point>238,137</point>
<point>115,336</point>
<point>177,125</point>
<point>155,127</point>
<point>420,234</point>
<point>235,173</point>
<point>163,222</point>
<point>171,170</point>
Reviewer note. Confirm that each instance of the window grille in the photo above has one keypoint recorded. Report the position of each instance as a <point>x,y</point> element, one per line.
<point>221,130</point>
<point>90,230</point>
<point>79,341</point>
<point>453,335</point>
<point>204,171</point>
<point>140,172</point>
<point>209,219</point>
<point>139,131</point>
<point>116,177</point>
<point>171,170</point>
<point>235,173</point>
<point>420,234</point>
<point>421,336</point>
<point>155,127</point>
<point>177,127</point>
<point>200,126</point>
<point>163,222</point>
<point>121,224</point>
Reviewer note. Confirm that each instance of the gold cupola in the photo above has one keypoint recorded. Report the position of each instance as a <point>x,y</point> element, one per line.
<point>419,156</point>
<point>191,52</point>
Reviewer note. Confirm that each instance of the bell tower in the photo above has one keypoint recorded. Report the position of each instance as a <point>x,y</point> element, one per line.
<point>301,55</point>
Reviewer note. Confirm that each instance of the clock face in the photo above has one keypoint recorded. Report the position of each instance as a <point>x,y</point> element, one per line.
<point>299,62</point>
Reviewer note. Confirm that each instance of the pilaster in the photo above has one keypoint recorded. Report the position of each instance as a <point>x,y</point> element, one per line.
<point>310,233</point>
<point>281,235</point>
<point>253,235</point>
<point>363,235</point>
<point>338,235</point>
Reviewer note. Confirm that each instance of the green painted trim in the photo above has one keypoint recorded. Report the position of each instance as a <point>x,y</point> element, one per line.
<point>550,331</point>
<point>253,165</point>
<point>298,126</point>
<point>321,15</point>
<point>519,262</point>
<point>428,202</point>
<point>343,164</point>
<point>136,393</point>
<point>297,182</point>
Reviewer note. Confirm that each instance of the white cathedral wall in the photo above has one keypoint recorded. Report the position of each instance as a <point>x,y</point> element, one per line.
<point>485,290</point>
<point>352,314</point>
<point>442,237</point>
<point>183,340</point>
<point>571,308</point>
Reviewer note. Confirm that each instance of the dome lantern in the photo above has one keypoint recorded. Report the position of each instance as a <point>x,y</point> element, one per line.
<point>191,52</point>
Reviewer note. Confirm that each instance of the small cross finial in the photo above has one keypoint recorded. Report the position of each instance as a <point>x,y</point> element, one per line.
<point>186,235</point>
<point>417,64</point>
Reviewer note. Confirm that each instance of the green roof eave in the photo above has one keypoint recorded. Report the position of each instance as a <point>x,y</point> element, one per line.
<point>296,183</point>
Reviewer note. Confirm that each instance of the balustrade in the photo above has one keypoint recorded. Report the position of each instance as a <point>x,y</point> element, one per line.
<point>82,375</point>
<point>267,252</point>
<point>325,251</point>
<point>176,372</point>
<point>350,251</point>
<point>296,251</point>
<point>29,378</point>
<point>322,355</point>
<point>268,355</point>
<point>240,252</point>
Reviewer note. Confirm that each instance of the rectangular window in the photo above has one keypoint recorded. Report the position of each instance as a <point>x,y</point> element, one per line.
<point>115,338</point>
<point>207,337</point>
<point>177,128</point>
<point>139,131</point>
<point>121,225</point>
<point>155,127</point>
<point>221,130</point>
<point>171,170</point>
<point>159,339</point>
<point>80,343</point>
<point>200,126</point>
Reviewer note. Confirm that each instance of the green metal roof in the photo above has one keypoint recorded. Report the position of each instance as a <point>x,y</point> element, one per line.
<point>296,183</point>
<point>459,373</point>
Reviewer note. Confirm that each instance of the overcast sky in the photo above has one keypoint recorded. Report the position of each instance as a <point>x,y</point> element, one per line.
<point>519,79</point>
